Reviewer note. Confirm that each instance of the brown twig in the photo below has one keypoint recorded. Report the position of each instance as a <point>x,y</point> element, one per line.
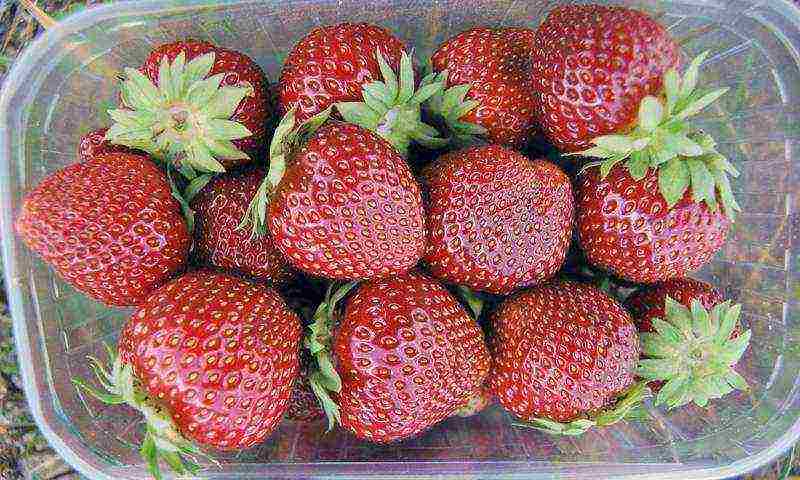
<point>40,15</point>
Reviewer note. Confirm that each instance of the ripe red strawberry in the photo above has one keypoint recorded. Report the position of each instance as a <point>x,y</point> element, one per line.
<point>648,302</point>
<point>347,207</point>
<point>219,208</point>
<point>627,226</point>
<point>592,67</point>
<point>489,84</point>
<point>497,221</point>
<point>362,70</point>
<point>563,352</point>
<point>332,64</point>
<point>109,226</point>
<point>94,144</point>
<point>210,360</point>
<point>407,355</point>
<point>691,341</point>
<point>208,113</point>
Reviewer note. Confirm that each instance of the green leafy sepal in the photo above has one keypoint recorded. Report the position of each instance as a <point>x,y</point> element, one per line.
<point>185,119</point>
<point>693,352</point>
<point>324,378</point>
<point>664,139</point>
<point>392,108</point>
<point>162,440</point>
<point>287,137</point>
<point>449,106</point>
<point>627,407</point>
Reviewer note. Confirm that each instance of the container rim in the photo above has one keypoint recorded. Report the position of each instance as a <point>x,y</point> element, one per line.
<point>34,57</point>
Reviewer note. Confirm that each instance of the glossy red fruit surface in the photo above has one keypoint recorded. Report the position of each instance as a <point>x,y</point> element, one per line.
<point>497,221</point>
<point>109,226</point>
<point>219,353</point>
<point>592,67</point>
<point>219,208</point>
<point>562,350</point>
<point>94,144</point>
<point>348,207</point>
<point>625,226</point>
<point>497,64</point>
<point>253,112</point>
<point>409,356</point>
<point>648,303</point>
<point>332,64</point>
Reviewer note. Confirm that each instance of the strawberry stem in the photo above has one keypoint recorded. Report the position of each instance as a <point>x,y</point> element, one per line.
<point>162,439</point>
<point>287,137</point>
<point>185,119</point>
<point>693,351</point>
<point>628,406</point>
<point>448,106</point>
<point>392,108</point>
<point>664,140</point>
<point>325,378</point>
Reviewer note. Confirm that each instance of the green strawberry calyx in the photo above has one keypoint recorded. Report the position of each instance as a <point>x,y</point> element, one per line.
<point>186,119</point>
<point>471,299</point>
<point>324,378</point>
<point>392,108</point>
<point>286,139</point>
<point>449,105</point>
<point>665,140</point>
<point>162,440</point>
<point>693,352</point>
<point>628,407</point>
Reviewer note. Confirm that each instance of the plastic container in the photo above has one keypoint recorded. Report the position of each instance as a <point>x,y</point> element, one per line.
<point>59,88</point>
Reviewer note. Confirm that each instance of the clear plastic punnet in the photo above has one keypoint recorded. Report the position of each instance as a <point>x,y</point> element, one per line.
<point>61,87</point>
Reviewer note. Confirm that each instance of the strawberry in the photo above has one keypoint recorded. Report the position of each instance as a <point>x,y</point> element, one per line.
<point>660,204</point>
<point>626,225</point>
<point>109,226</point>
<point>219,208</point>
<point>364,72</point>
<point>691,341</point>
<point>406,356</point>
<point>648,302</point>
<point>497,221</point>
<point>346,208</point>
<point>94,144</point>
<point>332,64</point>
<point>198,105</point>
<point>209,360</point>
<point>564,353</point>
<point>487,73</point>
<point>592,67</point>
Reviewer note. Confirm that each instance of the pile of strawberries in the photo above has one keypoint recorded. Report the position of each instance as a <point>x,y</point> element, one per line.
<point>391,252</point>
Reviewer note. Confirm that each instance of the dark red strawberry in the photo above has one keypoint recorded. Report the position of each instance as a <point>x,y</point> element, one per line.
<point>497,221</point>
<point>94,144</point>
<point>362,70</point>
<point>210,360</point>
<point>648,302</point>
<point>627,226</point>
<point>592,67</point>
<point>219,208</point>
<point>210,115</point>
<point>346,208</point>
<point>489,84</point>
<point>109,226</point>
<point>407,355</point>
<point>564,353</point>
<point>332,64</point>
<point>691,341</point>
